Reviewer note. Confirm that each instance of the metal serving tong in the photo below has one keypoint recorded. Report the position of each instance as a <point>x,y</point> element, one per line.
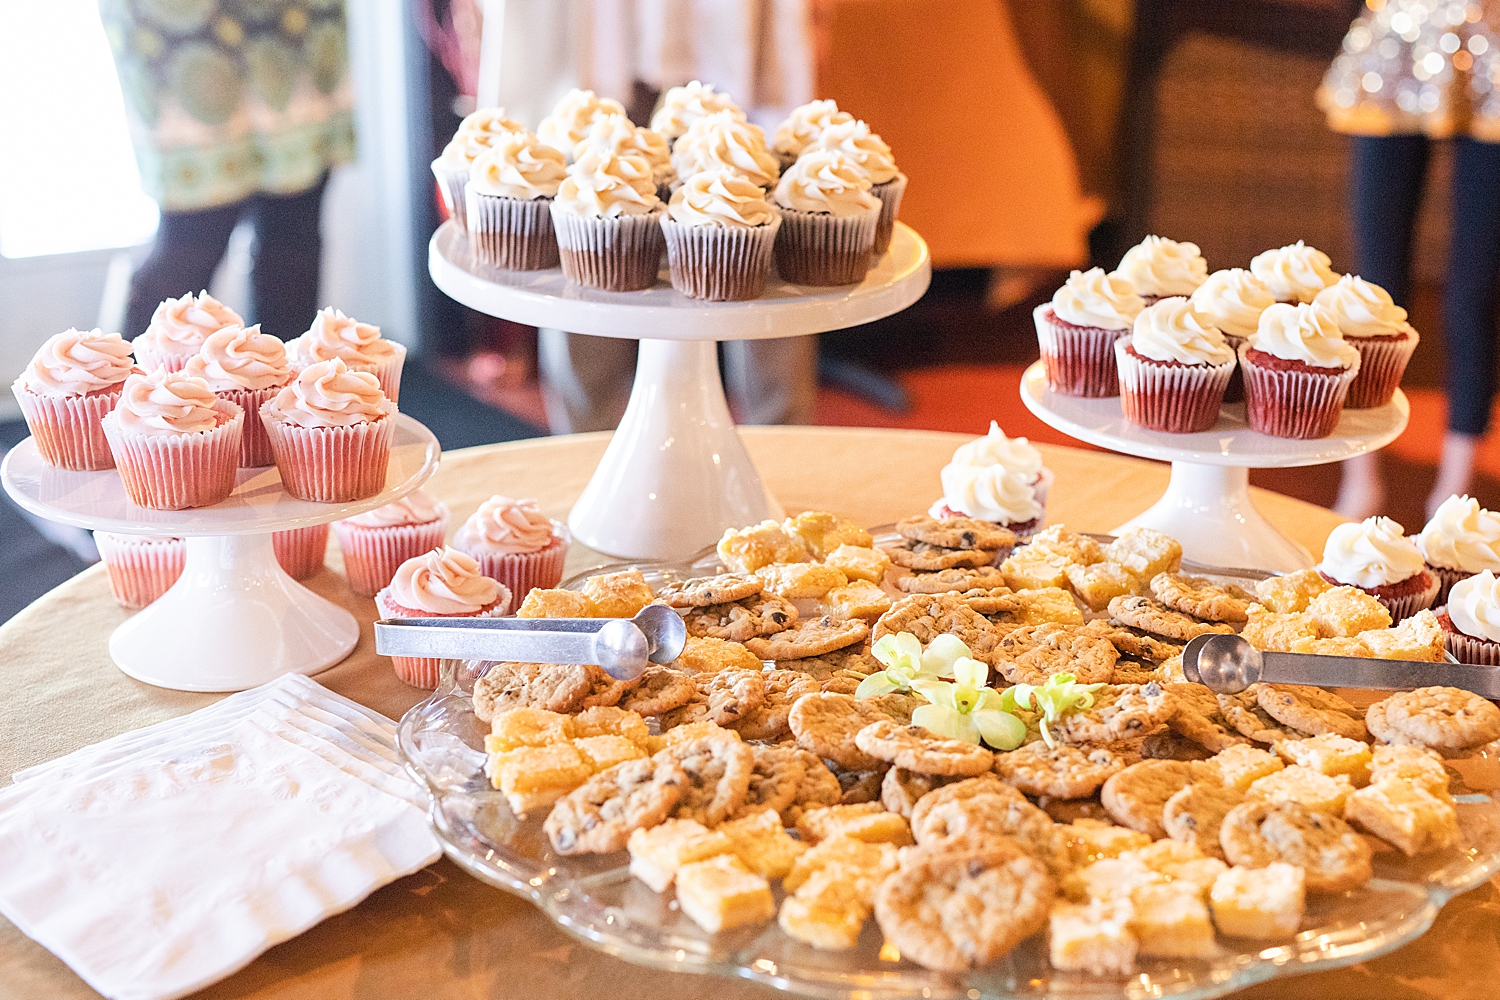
<point>622,646</point>
<point>1228,663</point>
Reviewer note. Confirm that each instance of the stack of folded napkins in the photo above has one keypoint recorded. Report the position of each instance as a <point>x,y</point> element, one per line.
<point>163,860</point>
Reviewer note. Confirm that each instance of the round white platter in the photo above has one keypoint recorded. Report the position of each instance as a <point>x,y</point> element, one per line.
<point>234,619</point>
<point>1207,505</point>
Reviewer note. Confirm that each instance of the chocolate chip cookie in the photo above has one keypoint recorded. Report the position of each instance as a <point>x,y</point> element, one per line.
<point>556,687</point>
<point>1312,710</point>
<point>717,771</point>
<point>955,532</point>
<point>1136,796</point>
<point>1033,653</point>
<point>1333,856</point>
<point>762,614</point>
<point>929,616</point>
<point>1202,598</point>
<point>921,555</point>
<point>946,581</point>
<point>598,816</point>
<point>1064,772</point>
<point>1195,813</point>
<point>812,637</point>
<point>916,749</point>
<point>1448,720</point>
<point>826,724</point>
<point>701,591</point>
<point>1154,617</point>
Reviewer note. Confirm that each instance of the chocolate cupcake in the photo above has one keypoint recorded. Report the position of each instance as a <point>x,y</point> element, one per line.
<point>573,117</point>
<point>828,220</point>
<point>856,141</point>
<point>1461,539</point>
<point>1376,557</point>
<point>1297,371</point>
<point>725,141</point>
<point>509,196</point>
<point>475,134</point>
<point>1233,300</point>
<point>720,233</point>
<point>802,128</point>
<point>1372,322</point>
<point>1294,273</point>
<point>617,134</point>
<point>1157,268</point>
<point>1471,620</point>
<point>608,222</point>
<point>1077,331</point>
<point>1174,368</point>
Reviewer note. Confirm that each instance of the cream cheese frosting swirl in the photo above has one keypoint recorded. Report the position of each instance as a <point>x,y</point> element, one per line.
<point>1294,273</point>
<point>443,582</point>
<point>681,106</point>
<point>1474,606</point>
<point>990,493</point>
<point>184,324</point>
<point>825,180</point>
<point>1095,299</point>
<point>1012,454</point>
<point>488,121</point>
<point>1373,553</point>
<point>804,125</point>
<point>1159,266</point>
<point>414,508</point>
<point>721,198</point>
<point>608,185</point>
<point>856,141</point>
<point>616,134</point>
<point>74,363</point>
<point>517,165</point>
<point>1463,536</point>
<point>464,147</point>
<point>163,403</point>
<point>334,335</point>
<point>505,526</point>
<point>723,141</point>
<point>239,357</point>
<point>574,115</point>
<point>1233,300</point>
<point>1172,330</point>
<point>328,394</point>
<point>1303,333</point>
<point>1363,309</point>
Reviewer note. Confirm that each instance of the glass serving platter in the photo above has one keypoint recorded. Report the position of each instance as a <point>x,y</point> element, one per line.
<point>594,899</point>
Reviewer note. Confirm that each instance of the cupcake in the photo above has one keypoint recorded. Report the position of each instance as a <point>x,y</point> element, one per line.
<point>1294,273</point>
<point>1157,267</point>
<point>141,567</point>
<point>1461,539</point>
<point>72,381</point>
<point>438,584</point>
<point>572,118</point>
<point>616,134</point>
<point>475,134</point>
<point>1233,300</point>
<point>1471,620</point>
<point>1376,556</point>
<point>515,543</point>
<point>358,345</point>
<point>720,233</point>
<point>331,432</point>
<point>175,443</point>
<point>870,153</point>
<point>1377,327</point>
<point>997,479</point>
<point>608,222</point>
<point>802,128</point>
<point>246,367</point>
<point>681,106</point>
<point>828,220</point>
<point>1297,370</point>
<point>378,541</point>
<point>725,141</point>
<point>1077,331</point>
<point>1174,368</point>
<point>300,551</point>
<point>178,329</point>
<point>510,191</point>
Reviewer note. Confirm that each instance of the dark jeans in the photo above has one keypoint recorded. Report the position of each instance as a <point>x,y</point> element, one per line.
<point>1387,173</point>
<point>284,260</point>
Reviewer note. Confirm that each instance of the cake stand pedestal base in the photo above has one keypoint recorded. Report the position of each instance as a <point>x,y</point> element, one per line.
<point>232,621</point>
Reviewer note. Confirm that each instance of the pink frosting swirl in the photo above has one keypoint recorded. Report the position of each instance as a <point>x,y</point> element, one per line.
<point>334,335</point>
<point>239,357</point>
<point>73,363</point>
<point>416,508</point>
<point>164,402</point>
<point>328,394</point>
<point>503,525</point>
<point>184,324</point>
<point>444,582</point>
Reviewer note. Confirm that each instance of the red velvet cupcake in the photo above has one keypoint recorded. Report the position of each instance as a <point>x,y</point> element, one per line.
<point>442,583</point>
<point>1159,268</point>
<point>73,380</point>
<point>1233,300</point>
<point>1297,371</point>
<point>1294,273</point>
<point>1460,540</point>
<point>1376,557</point>
<point>1471,620</point>
<point>1377,328</point>
<point>1077,331</point>
<point>1174,369</point>
<point>997,479</point>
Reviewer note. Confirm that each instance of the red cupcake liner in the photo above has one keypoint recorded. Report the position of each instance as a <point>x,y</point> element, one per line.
<point>331,464</point>
<point>300,551</point>
<point>618,255</point>
<point>889,193</point>
<point>140,568</point>
<point>1293,404</point>
<point>426,672</point>
<point>372,555</point>
<point>1382,362</point>
<point>68,430</point>
<point>521,572</point>
<point>255,445</point>
<point>1466,648</point>
<point>177,471</point>
<point>719,263</point>
<point>1178,399</point>
<point>451,184</point>
<point>510,233</point>
<point>822,249</point>
<point>1078,360</point>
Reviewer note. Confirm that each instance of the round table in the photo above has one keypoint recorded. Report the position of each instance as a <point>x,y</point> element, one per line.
<point>440,933</point>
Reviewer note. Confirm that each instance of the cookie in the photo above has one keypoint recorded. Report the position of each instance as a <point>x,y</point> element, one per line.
<point>997,601</point>
<point>929,616</point>
<point>812,637</point>
<point>1064,772</point>
<point>660,690</point>
<point>598,816</point>
<point>957,580</point>
<point>1245,716</point>
<point>1168,744</point>
<point>1194,814</point>
<point>921,750</point>
<point>762,614</point>
<point>1208,730</point>
<point>1033,653</point>
<point>694,710</point>
<point>775,777</point>
<point>732,694</point>
<point>984,784</point>
<point>955,532</point>
<point>1131,643</point>
<point>717,771</point>
<point>769,721</point>
<point>859,787</point>
<point>895,704</point>
<point>1119,712</point>
<point>1155,617</point>
<point>976,810</point>
<point>604,690</point>
<point>1133,672</point>
<point>1312,710</point>
<point>701,591</point>
<point>555,687</point>
<point>826,724</point>
<point>921,555</point>
<point>1448,720</point>
<point>1334,857</point>
<point>819,786</point>
<point>1136,796</point>
<point>1202,598</point>
<point>901,790</point>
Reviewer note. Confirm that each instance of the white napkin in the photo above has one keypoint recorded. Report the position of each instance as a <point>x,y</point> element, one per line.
<point>161,861</point>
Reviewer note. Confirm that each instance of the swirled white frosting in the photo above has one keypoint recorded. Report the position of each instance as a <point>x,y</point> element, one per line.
<point>1295,273</point>
<point>990,493</point>
<point>1306,333</point>
<point>721,198</point>
<point>570,121</point>
<point>681,106</point>
<point>724,141</point>
<point>1012,454</point>
<point>1095,299</point>
<point>1172,330</point>
<point>1159,266</point>
<point>1363,309</point>
<point>617,134</point>
<point>1373,553</point>
<point>518,165</point>
<point>608,185</point>
<point>1462,535</point>
<point>856,141</point>
<point>825,180</point>
<point>804,124</point>
<point>488,121</point>
<point>1233,300</point>
<point>1474,606</point>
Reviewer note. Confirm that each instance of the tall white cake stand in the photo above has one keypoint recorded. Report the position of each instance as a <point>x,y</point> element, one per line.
<point>1207,505</point>
<point>675,474</point>
<point>234,619</point>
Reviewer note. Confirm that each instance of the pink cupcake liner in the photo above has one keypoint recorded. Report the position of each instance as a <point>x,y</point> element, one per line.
<point>1381,364</point>
<point>521,572</point>
<point>822,249</point>
<point>426,672</point>
<point>1235,392</point>
<point>1078,360</point>
<point>1172,398</point>
<point>510,233</point>
<point>140,568</point>
<point>69,430</point>
<point>1293,404</point>
<point>719,263</point>
<point>1467,649</point>
<point>255,445</point>
<point>176,471</point>
<point>618,255</point>
<point>331,464</point>
<point>300,551</point>
<point>889,194</point>
<point>1446,578</point>
<point>372,555</point>
<point>452,182</point>
<point>149,357</point>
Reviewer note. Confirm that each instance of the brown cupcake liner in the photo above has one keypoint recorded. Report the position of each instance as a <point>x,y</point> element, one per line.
<point>889,193</point>
<point>1293,404</point>
<point>69,430</point>
<point>1446,578</point>
<point>331,464</point>
<point>511,234</point>
<point>1235,391</point>
<point>426,671</point>
<point>177,471</point>
<point>140,569</point>
<point>452,183</point>
<point>617,255</point>
<point>1467,649</point>
<point>300,551</point>
<point>255,446</point>
<point>372,555</point>
<point>1078,360</point>
<point>521,572</point>
<point>821,249</point>
<point>1381,365</point>
<point>719,263</point>
<point>1171,398</point>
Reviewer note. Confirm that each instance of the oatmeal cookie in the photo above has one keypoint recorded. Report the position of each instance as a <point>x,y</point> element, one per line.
<point>1207,729</point>
<point>1335,858</point>
<point>901,789</point>
<point>598,816</point>
<point>1153,616</point>
<point>1133,672</point>
<point>1201,597</point>
<point>732,694</point>
<point>717,771</point>
<point>1132,643</point>
<point>618,595</point>
<point>1033,653</point>
<point>819,786</point>
<point>1312,710</point>
<point>998,601</point>
<point>763,614</point>
<point>826,724</point>
<point>1065,772</point>
<point>1119,712</point>
<point>1168,744</point>
<point>955,532</point>
<point>916,749</point>
<point>1245,716</point>
<point>556,687</point>
<point>694,710</point>
<point>604,690</point>
<point>1448,720</point>
<point>660,690</point>
<point>920,555</point>
<point>946,581</point>
<point>775,778</point>
<point>1135,797</point>
<point>812,637</point>
<point>996,811</point>
<point>701,591</point>
<point>1196,812</point>
<point>769,721</point>
<point>968,788</point>
<point>705,655</point>
<point>929,616</point>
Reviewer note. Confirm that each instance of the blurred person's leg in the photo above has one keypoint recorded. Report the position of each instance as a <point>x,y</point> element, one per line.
<point>187,248</point>
<point>585,380</point>
<point>1386,174</point>
<point>285,260</point>
<point>773,381</point>
<point>1469,311</point>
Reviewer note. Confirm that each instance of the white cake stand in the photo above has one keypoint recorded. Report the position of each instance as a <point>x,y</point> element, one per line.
<point>675,474</point>
<point>1207,505</point>
<point>234,619</point>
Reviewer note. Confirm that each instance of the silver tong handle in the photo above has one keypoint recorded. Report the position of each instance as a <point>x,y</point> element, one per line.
<point>1228,664</point>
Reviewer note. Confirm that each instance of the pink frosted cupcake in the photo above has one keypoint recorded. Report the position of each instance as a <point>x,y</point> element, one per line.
<point>300,551</point>
<point>331,431</point>
<point>1297,371</point>
<point>997,479</point>
<point>377,542</point>
<point>358,345</point>
<point>71,383</point>
<point>515,543</point>
<point>247,367</point>
<point>1471,620</point>
<point>175,443</point>
<point>1462,539</point>
<point>1174,368</point>
<point>1159,268</point>
<point>141,567</point>
<point>442,583</point>
<point>856,141</point>
<point>1077,331</point>
<point>1233,300</point>
<point>178,329</point>
<point>1376,556</point>
<point>1376,327</point>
